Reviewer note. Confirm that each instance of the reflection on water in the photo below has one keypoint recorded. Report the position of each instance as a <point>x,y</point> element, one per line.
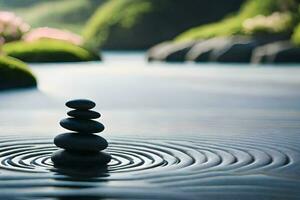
<point>76,173</point>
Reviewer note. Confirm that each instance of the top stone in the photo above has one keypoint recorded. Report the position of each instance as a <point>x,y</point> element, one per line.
<point>81,104</point>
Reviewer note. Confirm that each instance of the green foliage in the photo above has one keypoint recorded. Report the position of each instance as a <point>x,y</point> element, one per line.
<point>139,24</point>
<point>15,74</point>
<point>48,50</point>
<point>296,35</point>
<point>18,3</point>
<point>111,13</point>
<point>234,24</point>
<point>64,14</point>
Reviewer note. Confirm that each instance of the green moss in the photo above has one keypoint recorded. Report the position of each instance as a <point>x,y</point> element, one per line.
<point>15,74</point>
<point>48,50</point>
<point>296,35</point>
<point>233,24</point>
<point>123,12</point>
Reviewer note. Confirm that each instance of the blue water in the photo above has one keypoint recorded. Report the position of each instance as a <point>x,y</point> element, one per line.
<point>175,131</point>
<point>136,97</point>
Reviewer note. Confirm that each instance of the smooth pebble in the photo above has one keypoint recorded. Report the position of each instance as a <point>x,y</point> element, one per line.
<point>82,125</point>
<point>80,142</point>
<point>84,114</point>
<point>81,104</point>
<point>64,157</point>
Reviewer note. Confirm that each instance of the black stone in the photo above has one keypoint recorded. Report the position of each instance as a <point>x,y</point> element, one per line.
<point>239,50</point>
<point>178,52</point>
<point>156,53</point>
<point>76,173</point>
<point>66,158</point>
<point>82,125</point>
<point>81,104</point>
<point>201,52</point>
<point>169,51</point>
<point>276,52</point>
<point>84,114</point>
<point>80,142</point>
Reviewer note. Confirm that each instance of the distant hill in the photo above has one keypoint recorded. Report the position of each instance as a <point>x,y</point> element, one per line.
<point>18,3</point>
<point>122,24</point>
<point>139,24</point>
<point>65,14</point>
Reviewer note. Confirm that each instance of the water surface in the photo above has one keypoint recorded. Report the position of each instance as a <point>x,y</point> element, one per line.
<point>188,130</point>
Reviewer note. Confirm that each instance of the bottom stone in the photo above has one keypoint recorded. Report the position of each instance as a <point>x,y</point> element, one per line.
<point>79,172</point>
<point>66,158</point>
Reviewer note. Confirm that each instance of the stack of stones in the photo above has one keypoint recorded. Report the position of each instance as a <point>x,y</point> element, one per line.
<point>81,147</point>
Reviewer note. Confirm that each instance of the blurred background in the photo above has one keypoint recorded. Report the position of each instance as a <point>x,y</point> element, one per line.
<point>260,31</point>
<point>225,31</point>
<point>148,61</point>
<point>222,66</point>
<point>136,25</point>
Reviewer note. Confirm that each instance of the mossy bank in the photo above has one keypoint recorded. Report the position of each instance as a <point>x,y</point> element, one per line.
<point>237,23</point>
<point>15,74</point>
<point>260,32</point>
<point>48,50</point>
<point>132,24</point>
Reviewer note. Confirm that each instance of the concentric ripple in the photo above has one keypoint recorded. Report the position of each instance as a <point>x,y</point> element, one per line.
<point>26,156</point>
<point>199,166</point>
<point>154,156</point>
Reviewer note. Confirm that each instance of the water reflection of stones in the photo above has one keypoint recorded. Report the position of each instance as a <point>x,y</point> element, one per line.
<point>81,148</point>
<point>79,173</point>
